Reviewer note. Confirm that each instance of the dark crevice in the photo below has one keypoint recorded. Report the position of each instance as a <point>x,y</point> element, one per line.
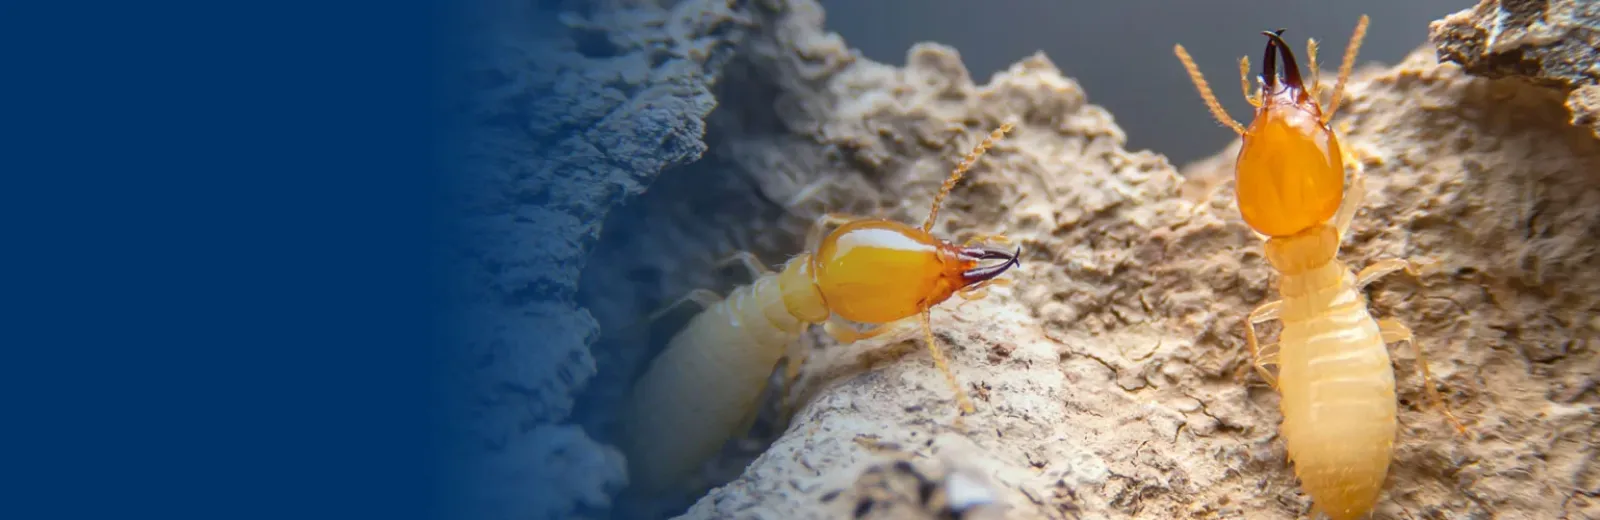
<point>594,43</point>
<point>663,245</point>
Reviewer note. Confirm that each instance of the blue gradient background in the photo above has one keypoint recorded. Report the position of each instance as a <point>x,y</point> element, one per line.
<point>219,292</point>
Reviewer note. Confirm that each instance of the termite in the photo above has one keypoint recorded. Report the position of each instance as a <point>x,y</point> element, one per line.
<point>1335,376</point>
<point>702,389</point>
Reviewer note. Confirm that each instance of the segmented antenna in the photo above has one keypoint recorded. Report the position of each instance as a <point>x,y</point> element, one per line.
<point>961,169</point>
<point>1344,68</point>
<point>1244,81</point>
<point>1315,87</point>
<point>944,364</point>
<point>1205,91</point>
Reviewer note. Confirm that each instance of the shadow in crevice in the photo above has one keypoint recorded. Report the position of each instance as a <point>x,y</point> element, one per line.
<point>665,244</point>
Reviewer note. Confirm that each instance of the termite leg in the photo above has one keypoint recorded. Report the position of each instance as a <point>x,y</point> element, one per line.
<point>1383,268</point>
<point>819,228</point>
<point>1265,313</point>
<point>750,261</point>
<point>1394,332</point>
<point>844,334</point>
<point>1353,197</point>
<point>944,365</point>
<point>704,297</point>
<point>795,358</point>
<point>807,192</point>
<point>773,399</point>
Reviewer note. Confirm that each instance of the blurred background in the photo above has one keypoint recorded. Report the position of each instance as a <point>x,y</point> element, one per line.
<point>1121,51</point>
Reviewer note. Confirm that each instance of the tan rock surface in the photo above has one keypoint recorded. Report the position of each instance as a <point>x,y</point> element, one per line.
<point>1105,379</point>
<point>1547,42</point>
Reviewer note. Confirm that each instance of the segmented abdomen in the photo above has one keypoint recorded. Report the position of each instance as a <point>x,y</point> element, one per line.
<point>698,392</point>
<point>1338,397</point>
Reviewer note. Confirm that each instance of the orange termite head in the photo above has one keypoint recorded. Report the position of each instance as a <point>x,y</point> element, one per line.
<point>1290,171</point>
<point>878,271</point>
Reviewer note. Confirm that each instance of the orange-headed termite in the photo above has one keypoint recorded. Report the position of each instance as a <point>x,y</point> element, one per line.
<point>1334,372</point>
<point>702,389</point>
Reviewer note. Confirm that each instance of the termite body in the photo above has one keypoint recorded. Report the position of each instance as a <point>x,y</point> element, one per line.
<point>702,389</point>
<point>1334,375</point>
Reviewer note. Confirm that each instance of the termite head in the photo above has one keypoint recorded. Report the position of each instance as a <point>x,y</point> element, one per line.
<point>1290,172</point>
<point>878,271</point>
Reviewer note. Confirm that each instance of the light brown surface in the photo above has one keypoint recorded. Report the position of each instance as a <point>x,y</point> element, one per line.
<point>1546,42</point>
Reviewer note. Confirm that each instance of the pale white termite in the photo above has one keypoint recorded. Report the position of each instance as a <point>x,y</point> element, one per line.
<point>702,389</point>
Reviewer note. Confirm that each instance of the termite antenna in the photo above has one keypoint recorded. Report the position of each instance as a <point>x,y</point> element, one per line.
<point>1344,68</point>
<point>944,364</point>
<point>961,169</point>
<point>1311,66</point>
<point>1205,90</point>
<point>1244,82</point>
